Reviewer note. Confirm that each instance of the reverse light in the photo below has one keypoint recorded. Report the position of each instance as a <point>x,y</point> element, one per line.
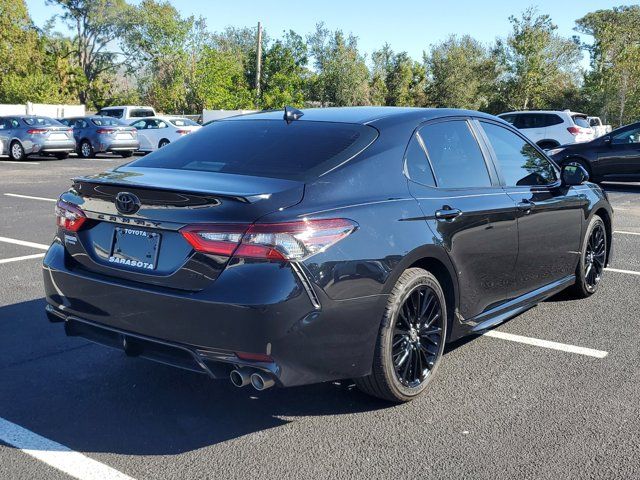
<point>69,217</point>
<point>271,241</point>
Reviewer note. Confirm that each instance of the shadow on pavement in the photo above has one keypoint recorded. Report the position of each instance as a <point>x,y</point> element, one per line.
<point>94,399</point>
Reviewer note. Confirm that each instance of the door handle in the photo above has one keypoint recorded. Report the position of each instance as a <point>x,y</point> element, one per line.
<point>448,213</point>
<point>526,206</point>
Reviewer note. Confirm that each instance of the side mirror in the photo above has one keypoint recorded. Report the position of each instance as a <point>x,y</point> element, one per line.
<point>573,174</point>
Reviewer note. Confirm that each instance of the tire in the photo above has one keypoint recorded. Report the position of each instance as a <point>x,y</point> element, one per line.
<point>16,152</point>
<point>163,143</point>
<point>393,345</point>
<point>594,252</point>
<point>85,149</point>
<point>62,156</point>
<point>126,154</point>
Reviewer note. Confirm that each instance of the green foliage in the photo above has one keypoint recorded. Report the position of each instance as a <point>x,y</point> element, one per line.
<point>284,73</point>
<point>462,74</point>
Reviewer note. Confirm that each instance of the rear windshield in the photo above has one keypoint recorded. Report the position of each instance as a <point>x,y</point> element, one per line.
<point>40,121</point>
<point>581,121</point>
<point>183,122</point>
<point>112,112</point>
<point>264,148</point>
<point>139,113</point>
<point>107,122</point>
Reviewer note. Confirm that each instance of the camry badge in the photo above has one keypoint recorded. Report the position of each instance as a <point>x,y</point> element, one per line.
<point>127,203</point>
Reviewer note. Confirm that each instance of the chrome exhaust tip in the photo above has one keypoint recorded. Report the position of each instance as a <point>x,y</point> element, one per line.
<point>261,381</point>
<point>240,377</point>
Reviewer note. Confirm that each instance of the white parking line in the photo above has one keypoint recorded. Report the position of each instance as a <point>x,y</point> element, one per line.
<point>24,243</point>
<point>19,163</point>
<point>626,233</point>
<point>617,270</point>
<point>24,257</point>
<point>546,344</point>
<point>98,159</point>
<point>29,197</point>
<point>57,455</point>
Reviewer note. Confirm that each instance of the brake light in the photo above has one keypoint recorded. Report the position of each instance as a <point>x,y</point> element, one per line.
<point>574,130</point>
<point>270,241</point>
<point>37,131</point>
<point>69,217</point>
<point>183,132</point>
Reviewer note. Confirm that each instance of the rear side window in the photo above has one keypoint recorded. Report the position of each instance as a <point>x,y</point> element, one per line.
<point>511,118</point>
<point>520,162</point>
<point>530,120</point>
<point>455,155</point>
<point>581,121</point>
<point>418,168</point>
<point>139,113</point>
<point>264,148</point>
<point>183,122</point>
<point>551,119</point>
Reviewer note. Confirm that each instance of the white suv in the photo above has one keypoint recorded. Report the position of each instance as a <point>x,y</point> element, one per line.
<point>549,128</point>
<point>125,112</point>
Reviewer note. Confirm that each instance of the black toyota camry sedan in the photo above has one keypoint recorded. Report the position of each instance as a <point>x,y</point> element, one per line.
<point>614,156</point>
<point>287,248</point>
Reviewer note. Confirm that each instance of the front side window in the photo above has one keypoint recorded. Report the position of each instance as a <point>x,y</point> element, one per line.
<point>107,122</point>
<point>520,162</point>
<point>629,136</point>
<point>183,122</point>
<point>455,155</point>
<point>551,119</point>
<point>418,168</point>
<point>39,121</point>
<point>530,120</point>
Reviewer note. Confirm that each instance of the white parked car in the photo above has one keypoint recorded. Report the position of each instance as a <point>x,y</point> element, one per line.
<point>156,132</point>
<point>598,128</point>
<point>126,112</point>
<point>551,128</point>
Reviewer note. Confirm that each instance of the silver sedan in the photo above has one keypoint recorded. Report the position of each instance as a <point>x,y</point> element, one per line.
<point>21,136</point>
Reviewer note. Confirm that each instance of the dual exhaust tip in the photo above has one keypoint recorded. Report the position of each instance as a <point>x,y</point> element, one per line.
<point>241,377</point>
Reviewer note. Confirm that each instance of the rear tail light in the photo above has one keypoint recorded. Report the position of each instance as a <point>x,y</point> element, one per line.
<point>107,131</point>
<point>69,217</point>
<point>37,131</point>
<point>271,241</point>
<point>183,132</point>
<point>574,130</point>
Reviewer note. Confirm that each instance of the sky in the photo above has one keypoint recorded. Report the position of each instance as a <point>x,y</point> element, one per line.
<point>407,25</point>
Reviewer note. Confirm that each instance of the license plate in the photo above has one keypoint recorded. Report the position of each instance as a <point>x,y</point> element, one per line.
<point>135,248</point>
<point>123,136</point>
<point>58,136</point>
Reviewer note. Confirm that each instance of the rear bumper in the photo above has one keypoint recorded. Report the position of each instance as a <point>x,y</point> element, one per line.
<point>307,344</point>
<point>55,147</point>
<point>117,145</point>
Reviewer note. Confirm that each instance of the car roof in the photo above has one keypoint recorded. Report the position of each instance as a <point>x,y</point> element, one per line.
<point>361,115</point>
<point>520,112</point>
<point>127,106</point>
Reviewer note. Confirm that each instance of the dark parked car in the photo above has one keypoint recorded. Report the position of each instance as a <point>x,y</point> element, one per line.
<point>345,243</point>
<point>614,156</point>
<point>21,136</point>
<point>97,134</point>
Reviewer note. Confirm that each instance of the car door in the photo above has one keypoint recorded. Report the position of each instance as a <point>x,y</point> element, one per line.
<point>143,134</point>
<point>549,214</point>
<point>466,209</point>
<point>619,156</point>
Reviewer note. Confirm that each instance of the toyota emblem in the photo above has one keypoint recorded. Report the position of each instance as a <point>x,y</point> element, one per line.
<point>127,203</point>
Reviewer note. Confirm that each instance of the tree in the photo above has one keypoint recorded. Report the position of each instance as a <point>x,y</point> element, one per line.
<point>462,74</point>
<point>97,25</point>
<point>538,63</point>
<point>341,76</point>
<point>613,84</point>
<point>284,72</point>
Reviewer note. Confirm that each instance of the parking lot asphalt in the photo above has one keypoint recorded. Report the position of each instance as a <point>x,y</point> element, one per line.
<point>498,408</point>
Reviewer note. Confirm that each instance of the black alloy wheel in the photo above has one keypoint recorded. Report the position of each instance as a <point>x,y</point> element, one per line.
<point>595,256</point>
<point>411,339</point>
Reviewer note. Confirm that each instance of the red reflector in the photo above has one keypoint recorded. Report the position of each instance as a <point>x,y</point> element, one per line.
<point>69,217</point>
<point>254,357</point>
<point>574,130</point>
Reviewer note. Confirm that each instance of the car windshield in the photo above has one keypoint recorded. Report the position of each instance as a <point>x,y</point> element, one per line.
<point>183,122</point>
<point>107,122</point>
<point>40,121</point>
<point>138,113</point>
<point>581,121</point>
<point>264,148</point>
